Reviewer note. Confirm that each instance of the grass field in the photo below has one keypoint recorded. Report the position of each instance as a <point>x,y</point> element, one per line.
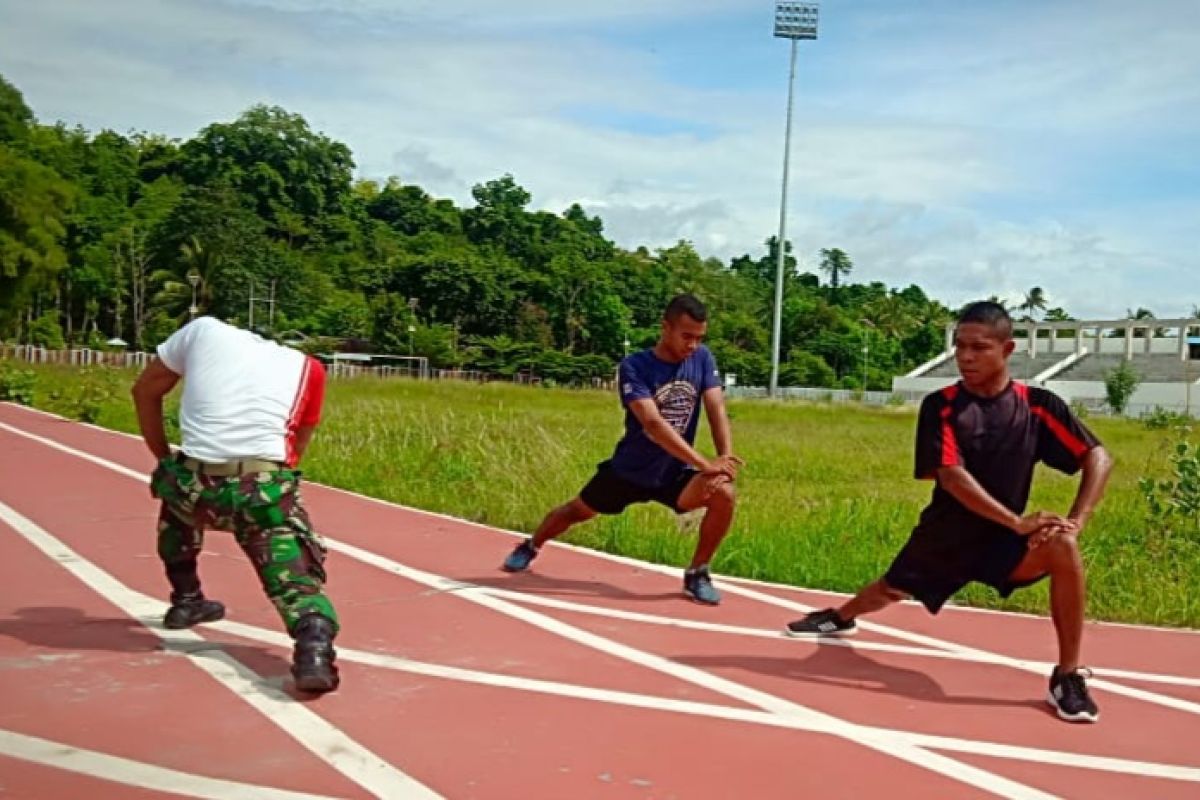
<point>825,501</point>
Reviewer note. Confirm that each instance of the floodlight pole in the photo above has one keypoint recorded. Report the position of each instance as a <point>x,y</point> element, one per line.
<point>793,21</point>
<point>194,279</point>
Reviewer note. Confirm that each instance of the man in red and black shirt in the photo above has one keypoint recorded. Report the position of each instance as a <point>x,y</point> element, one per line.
<point>980,440</point>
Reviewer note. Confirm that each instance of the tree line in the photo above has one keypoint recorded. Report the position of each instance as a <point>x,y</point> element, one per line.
<point>107,235</point>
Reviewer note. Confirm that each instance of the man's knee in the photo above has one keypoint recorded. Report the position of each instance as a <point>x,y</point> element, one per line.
<point>287,557</point>
<point>574,512</point>
<point>723,495</point>
<point>1062,553</point>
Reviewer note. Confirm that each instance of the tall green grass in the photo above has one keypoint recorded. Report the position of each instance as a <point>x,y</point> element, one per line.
<point>826,499</point>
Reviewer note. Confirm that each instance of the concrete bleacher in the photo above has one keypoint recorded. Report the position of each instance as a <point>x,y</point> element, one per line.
<point>1020,366</point>
<point>1156,349</point>
<point>1150,368</point>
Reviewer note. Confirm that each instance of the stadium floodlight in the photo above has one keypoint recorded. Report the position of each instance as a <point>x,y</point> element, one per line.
<point>794,21</point>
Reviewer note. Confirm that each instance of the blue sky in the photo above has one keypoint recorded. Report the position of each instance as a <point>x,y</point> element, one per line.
<point>974,148</point>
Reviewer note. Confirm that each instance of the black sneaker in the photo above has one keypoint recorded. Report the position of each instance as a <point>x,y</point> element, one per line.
<point>521,557</point>
<point>188,611</point>
<point>821,623</point>
<point>1069,696</point>
<point>697,584</point>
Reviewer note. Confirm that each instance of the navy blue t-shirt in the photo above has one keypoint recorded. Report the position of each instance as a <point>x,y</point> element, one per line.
<point>676,391</point>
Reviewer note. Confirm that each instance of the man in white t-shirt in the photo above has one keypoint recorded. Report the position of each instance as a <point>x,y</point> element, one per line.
<point>248,412</point>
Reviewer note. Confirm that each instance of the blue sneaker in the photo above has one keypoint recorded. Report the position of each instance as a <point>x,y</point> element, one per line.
<point>521,557</point>
<point>697,584</point>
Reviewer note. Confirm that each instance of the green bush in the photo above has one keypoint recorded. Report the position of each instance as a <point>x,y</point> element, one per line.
<point>17,385</point>
<point>1161,419</point>
<point>1173,502</point>
<point>1119,386</point>
<point>46,332</point>
<point>86,398</point>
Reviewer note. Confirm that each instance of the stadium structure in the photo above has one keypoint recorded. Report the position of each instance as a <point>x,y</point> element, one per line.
<point>1074,358</point>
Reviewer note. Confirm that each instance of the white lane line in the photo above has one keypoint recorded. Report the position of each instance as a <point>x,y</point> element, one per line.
<point>127,772</point>
<point>866,737</point>
<point>565,690</point>
<point>950,649</point>
<point>939,644</point>
<point>711,710</point>
<point>103,462</point>
<point>983,656</point>
<point>322,738</point>
<point>862,735</point>
<point>962,651</point>
<point>768,633</point>
<point>828,725</point>
<point>950,608</point>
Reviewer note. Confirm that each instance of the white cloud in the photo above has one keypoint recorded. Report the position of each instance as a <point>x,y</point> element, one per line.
<point>952,149</point>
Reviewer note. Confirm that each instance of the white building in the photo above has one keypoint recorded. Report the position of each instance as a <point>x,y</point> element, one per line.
<point>1072,359</point>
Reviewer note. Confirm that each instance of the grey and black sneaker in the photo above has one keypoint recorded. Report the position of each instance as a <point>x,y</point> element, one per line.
<point>521,557</point>
<point>821,623</point>
<point>1069,696</point>
<point>189,610</point>
<point>697,584</point>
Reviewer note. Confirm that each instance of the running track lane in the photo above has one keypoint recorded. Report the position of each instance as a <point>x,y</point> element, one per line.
<point>588,677</point>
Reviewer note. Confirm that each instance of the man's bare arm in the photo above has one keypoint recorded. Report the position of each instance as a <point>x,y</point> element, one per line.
<point>1097,466</point>
<point>304,435</point>
<point>963,487</point>
<point>659,431</point>
<point>155,383</point>
<point>718,421</point>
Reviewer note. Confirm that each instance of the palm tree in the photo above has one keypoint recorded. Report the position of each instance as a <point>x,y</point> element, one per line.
<point>1144,313</point>
<point>175,291</point>
<point>1035,300</point>
<point>835,263</point>
<point>892,318</point>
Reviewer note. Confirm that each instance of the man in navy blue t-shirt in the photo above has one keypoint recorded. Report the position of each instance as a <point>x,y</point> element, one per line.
<point>662,389</point>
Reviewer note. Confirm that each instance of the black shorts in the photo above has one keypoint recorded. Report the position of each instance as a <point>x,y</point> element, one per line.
<point>935,564</point>
<point>609,493</point>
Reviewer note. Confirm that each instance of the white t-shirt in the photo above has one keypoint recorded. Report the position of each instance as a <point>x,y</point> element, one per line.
<point>243,396</point>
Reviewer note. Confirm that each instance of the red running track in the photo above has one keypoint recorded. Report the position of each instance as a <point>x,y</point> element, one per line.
<point>590,676</point>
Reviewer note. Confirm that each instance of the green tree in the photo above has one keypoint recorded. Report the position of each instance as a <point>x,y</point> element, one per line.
<point>1119,386</point>
<point>34,202</point>
<point>806,369</point>
<point>15,117</point>
<point>836,264</point>
<point>290,176</point>
<point>499,216</point>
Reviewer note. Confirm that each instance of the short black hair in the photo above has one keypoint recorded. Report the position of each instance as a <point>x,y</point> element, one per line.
<point>685,304</point>
<point>990,313</point>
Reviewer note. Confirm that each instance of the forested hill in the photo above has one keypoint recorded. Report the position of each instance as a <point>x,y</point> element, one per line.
<point>104,234</point>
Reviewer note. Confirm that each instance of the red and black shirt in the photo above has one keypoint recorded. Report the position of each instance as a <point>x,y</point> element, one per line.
<point>999,440</point>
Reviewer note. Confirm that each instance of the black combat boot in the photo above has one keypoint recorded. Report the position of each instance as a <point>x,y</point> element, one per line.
<point>313,656</point>
<point>191,609</point>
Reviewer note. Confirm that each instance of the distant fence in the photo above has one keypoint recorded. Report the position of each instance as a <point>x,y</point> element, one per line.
<point>825,395</point>
<point>85,357</point>
<point>77,357</point>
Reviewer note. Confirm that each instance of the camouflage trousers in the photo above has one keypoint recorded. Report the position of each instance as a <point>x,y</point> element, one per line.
<point>264,512</point>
